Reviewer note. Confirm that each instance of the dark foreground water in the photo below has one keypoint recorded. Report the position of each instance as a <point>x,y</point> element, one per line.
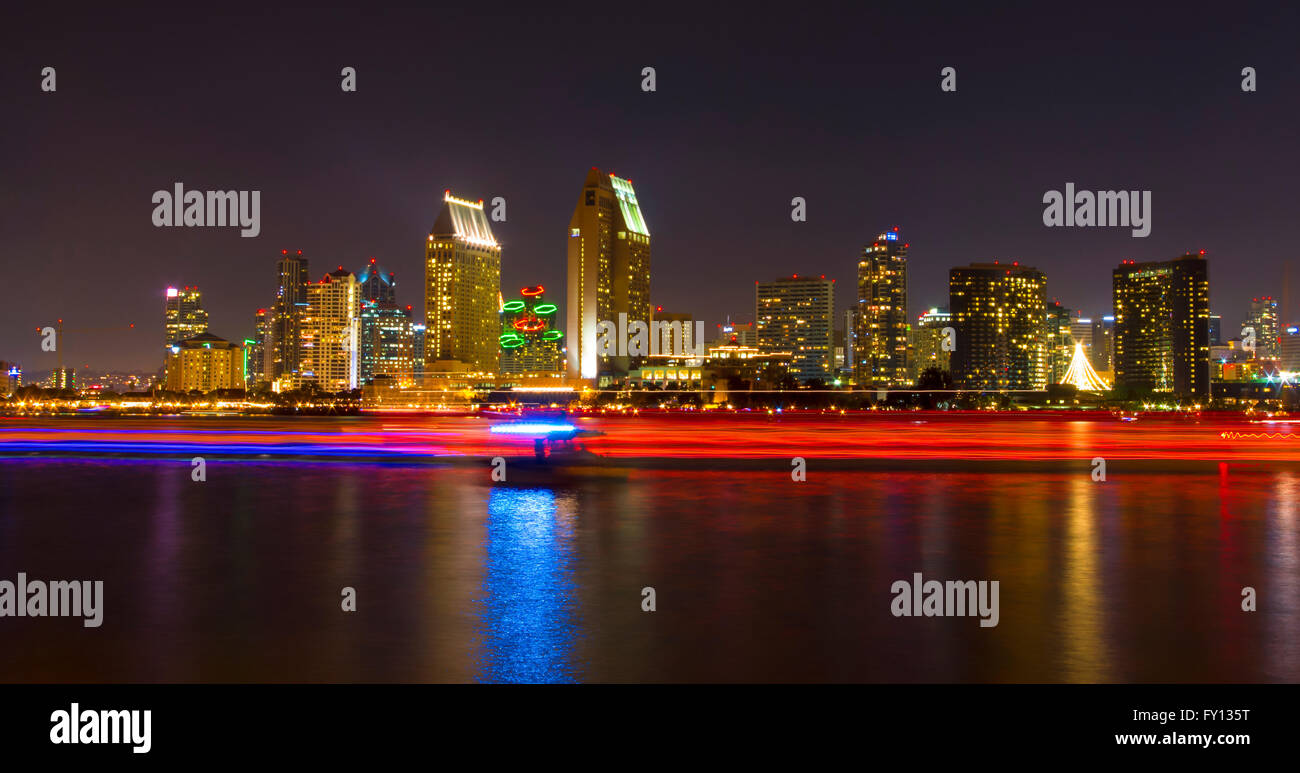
<point>757,578</point>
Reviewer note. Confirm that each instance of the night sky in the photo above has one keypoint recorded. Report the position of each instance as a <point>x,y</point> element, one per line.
<point>755,105</point>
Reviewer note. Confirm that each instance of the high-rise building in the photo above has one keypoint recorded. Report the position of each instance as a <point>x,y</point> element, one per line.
<point>255,355</point>
<point>284,346</point>
<point>419,339</point>
<point>850,343</point>
<point>377,286</point>
<point>462,272</point>
<point>1216,330</point>
<point>1103,343</point>
<point>608,272</point>
<point>1290,349</point>
<point>927,342</point>
<point>185,317</point>
<point>1162,330</point>
<point>387,343</point>
<point>331,332</point>
<point>1060,342</point>
<point>1081,332</point>
<point>999,315</point>
<point>880,347</point>
<point>1263,318</point>
<point>204,363</point>
<point>11,377</point>
<point>387,330</point>
<point>795,314</point>
<point>530,340</point>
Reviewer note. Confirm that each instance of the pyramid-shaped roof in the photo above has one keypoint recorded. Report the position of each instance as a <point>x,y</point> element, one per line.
<point>463,219</point>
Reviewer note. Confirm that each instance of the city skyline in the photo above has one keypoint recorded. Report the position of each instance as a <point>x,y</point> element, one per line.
<point>871,344</point>
<point>966,186</point>
<point>376,299</point>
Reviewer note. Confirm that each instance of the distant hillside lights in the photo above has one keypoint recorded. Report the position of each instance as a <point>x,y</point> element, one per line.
<point>237,209</point>
<point>1104,208</point>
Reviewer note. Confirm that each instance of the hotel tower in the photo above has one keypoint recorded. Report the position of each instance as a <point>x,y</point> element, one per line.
<point>609,271</point>
<point>462,272</point>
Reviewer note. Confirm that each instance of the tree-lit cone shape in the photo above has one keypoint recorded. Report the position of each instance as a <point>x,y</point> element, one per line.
<point>1081,374</point>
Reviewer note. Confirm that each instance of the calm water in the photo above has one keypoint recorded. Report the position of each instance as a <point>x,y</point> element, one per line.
<point>757,578</point>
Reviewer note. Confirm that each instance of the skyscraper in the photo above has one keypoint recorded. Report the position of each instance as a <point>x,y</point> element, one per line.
<point>999,315</point>
<point>184,314</point>
<point>880,346</point>
<point>1263,318</point>
<point>1290,349</point>
<point>927,342</point>
<point>849,365</point>
<point>387,330</point>
<point>284,348</point>
<point>256,354</point>
<point>387,341</point>
<point>1103,343</point>
<point>608,272</point>
<point>462,272</point>
<point>419,339</point>
<point>1162,329</point>
<point>12,375</point>
<point>1081,332</point>
<point>795,314</point>
<point>331,329</point>
<point>1060,342</point>
<point>377,285</point>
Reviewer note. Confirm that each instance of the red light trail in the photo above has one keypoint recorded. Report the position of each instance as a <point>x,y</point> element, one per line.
<point>878,437</point>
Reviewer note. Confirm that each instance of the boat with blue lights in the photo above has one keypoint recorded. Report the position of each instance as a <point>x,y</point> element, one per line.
<point>551,429</point>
